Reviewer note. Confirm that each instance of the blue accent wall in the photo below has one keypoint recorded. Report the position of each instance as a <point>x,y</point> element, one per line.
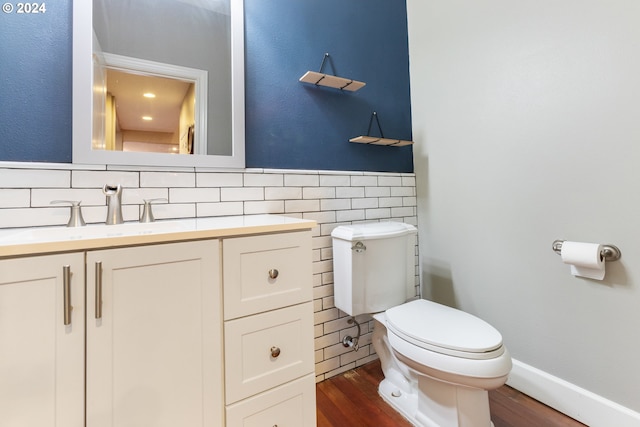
<point>289,124</point>
<point>35,84</point>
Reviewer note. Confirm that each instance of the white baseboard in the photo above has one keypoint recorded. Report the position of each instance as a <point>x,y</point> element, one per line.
<point>576,402</point>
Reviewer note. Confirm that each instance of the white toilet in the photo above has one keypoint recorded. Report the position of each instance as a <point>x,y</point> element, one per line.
<point>438,362</point>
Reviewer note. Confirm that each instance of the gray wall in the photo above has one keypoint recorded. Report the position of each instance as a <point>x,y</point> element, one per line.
<point>526,120</point>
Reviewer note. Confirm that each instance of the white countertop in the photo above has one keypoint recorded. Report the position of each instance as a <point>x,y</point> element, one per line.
<point>39,240</point>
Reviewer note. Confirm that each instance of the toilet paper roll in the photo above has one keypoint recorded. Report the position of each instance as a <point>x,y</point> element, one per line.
<point>584,258</point>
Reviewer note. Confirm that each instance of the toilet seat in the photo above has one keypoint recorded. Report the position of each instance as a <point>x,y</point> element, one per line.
<point>445,330</point>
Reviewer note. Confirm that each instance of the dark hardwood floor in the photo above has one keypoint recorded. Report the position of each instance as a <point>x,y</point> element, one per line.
<point>352,400</point>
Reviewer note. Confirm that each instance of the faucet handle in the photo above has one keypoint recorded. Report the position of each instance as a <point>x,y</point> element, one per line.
<point>75,219</point>
<point>147,214</point>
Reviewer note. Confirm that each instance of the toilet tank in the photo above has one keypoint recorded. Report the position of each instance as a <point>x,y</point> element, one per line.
<point>373,266</point>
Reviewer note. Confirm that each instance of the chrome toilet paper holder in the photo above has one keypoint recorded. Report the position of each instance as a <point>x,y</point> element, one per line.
<point>608,253</point>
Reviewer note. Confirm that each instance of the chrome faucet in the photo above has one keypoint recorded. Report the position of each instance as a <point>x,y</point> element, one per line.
<point>114,204</point>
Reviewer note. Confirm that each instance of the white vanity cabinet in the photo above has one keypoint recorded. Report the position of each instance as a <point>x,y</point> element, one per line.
<point>194,323</point>
<point>268,328</point>
<point>42,341</point>
<point>153,336</point>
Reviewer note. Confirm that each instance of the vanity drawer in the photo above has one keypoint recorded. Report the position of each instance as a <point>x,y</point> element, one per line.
<point>293,404</point>
<point>268,349</point>
<point>262,273</point>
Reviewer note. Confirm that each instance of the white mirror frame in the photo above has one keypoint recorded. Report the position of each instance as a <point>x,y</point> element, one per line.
<point>83,102</point>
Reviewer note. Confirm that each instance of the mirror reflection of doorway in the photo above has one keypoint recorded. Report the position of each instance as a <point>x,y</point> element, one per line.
<point>147,106</point>
<point>148,113</point>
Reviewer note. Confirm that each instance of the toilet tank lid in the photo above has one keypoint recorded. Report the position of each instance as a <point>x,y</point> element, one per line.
<point>373,230</point>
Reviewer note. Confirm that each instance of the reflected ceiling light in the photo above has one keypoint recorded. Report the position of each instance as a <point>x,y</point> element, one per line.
<point>147,118</point>
<point>149,95</point>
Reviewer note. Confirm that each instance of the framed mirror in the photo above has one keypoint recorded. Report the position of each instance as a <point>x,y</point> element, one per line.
<point>158,83</point>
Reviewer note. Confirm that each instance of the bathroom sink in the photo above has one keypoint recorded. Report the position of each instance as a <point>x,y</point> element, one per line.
<point>42,240</point>
<point>52,234</point>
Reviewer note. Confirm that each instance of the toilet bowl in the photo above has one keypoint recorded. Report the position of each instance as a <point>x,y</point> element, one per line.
<point>438,362</point>
<point>435,374</point>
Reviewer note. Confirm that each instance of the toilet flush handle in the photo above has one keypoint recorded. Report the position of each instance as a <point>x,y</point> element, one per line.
<point>359,247</point>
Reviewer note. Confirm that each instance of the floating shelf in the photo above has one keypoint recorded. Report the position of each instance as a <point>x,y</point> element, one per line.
<point>328,80</point>
<point>320,79</point>
<point>374,140</point>
<point>379,140</point>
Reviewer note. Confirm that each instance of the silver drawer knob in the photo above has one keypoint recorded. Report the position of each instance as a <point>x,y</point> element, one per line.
<point>273,273</point>
<point>275,352</point>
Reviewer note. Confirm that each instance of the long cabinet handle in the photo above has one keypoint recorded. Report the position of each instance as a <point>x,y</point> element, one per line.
<point>98,290</point>
<point>66,293</point>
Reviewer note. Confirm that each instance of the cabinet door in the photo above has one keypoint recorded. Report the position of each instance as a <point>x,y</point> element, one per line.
<point>154,353</point>
<point>41,358</point>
